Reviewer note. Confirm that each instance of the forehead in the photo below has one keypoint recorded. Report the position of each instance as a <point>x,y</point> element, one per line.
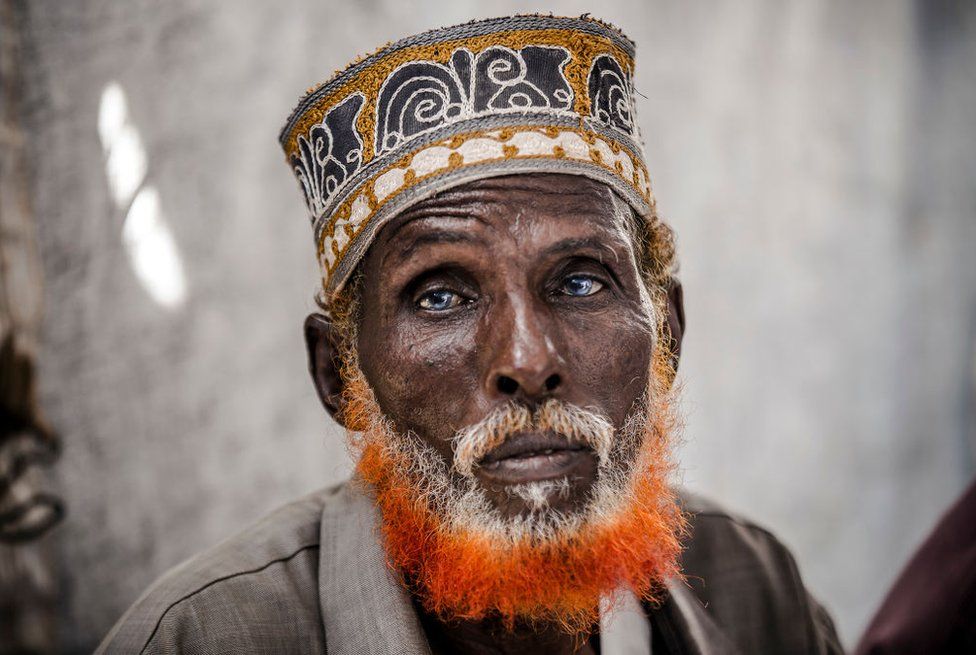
<point>525,209</point>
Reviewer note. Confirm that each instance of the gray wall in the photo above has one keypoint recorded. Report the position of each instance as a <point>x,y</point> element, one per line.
<point>817,160</point>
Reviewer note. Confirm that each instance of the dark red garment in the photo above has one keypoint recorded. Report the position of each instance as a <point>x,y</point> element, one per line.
<point>932,606</point>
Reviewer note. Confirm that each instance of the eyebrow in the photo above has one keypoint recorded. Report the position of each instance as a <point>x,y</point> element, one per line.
<point>433,237</point>
<point>583,243</point>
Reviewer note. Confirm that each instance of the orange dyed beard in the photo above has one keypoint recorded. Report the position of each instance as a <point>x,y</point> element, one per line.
<point>461,572</point>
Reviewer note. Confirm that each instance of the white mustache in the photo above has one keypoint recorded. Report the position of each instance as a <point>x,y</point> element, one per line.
<point>577,424</point>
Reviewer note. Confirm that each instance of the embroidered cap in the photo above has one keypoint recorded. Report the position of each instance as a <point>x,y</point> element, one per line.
<point>525,94</point>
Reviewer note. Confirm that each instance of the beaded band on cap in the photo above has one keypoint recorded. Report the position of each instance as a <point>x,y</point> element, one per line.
<point>525,94</point>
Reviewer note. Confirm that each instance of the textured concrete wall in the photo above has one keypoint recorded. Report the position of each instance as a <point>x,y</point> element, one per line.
<point>816,158</point>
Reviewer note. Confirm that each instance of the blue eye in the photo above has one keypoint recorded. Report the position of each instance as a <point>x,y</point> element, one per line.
<point>580,285</point>
<point>439,300</point>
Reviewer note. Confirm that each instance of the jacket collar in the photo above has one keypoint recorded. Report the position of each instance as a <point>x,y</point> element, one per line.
<point>682,627</point>
<point>366,609</point>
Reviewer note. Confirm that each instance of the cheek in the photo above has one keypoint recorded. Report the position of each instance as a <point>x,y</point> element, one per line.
<point>612,360</point>
<point>424,377</point>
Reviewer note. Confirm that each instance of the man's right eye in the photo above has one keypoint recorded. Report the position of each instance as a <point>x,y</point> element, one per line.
<point>439,300</point>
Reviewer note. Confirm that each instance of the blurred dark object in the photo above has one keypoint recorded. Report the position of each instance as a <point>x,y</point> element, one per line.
<point>932,606</point>
<point>25,441</point>
<point>25,438</point>
<point>27,590</point>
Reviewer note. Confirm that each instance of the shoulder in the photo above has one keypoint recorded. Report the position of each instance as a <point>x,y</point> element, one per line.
<point>749,583</point>
<point>248,593</point>
<point>720,540</point>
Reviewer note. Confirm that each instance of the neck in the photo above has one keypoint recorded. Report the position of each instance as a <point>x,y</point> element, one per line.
<point>490,637</point>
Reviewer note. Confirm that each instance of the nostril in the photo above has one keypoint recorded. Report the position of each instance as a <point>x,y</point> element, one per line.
<point>552,382</point>
<point>507,385</point>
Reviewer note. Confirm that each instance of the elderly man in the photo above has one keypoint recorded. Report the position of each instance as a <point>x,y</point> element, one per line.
<point>500,332</point>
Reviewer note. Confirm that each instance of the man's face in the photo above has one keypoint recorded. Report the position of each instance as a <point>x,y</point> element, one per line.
<point>513,290</point>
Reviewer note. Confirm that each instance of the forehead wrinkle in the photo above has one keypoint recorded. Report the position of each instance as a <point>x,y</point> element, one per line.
<point>576,191</point>
<point>544,201</point>
<point>484,201</point>
<point>417,241</point>
<point>427,227</point>
<point>545,183</point>
<point>421,213</point>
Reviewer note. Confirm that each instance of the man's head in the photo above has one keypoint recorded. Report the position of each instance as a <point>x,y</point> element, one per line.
<point>502,322</point>
<point>506,348</point>
<point>506,293</point>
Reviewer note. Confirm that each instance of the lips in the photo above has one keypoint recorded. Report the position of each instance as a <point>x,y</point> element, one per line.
<point>533,456</point>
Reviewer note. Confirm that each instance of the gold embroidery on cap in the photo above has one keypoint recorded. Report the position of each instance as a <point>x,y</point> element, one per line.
<point>456,160</point>
<point>583,48</point>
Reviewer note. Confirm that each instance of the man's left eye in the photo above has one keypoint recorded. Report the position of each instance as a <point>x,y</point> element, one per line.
<point>580,285</point>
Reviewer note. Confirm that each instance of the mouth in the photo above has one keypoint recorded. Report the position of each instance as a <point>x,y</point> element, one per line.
<point>533,456</point>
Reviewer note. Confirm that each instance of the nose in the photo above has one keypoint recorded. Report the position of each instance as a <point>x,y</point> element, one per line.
<point>525,363</point>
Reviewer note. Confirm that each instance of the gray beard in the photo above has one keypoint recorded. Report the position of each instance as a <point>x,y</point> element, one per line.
<point>463,506</point>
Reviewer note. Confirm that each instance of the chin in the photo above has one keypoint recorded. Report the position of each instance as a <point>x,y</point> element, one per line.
<point>566,491</point>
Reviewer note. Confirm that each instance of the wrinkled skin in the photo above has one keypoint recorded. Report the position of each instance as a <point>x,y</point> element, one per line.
<point>517,288</point>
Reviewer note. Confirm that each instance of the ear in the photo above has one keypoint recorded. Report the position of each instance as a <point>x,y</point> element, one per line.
<point>676,319</point>
<point>324,363</point>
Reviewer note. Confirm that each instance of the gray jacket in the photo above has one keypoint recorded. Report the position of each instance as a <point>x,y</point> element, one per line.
<point>312,578</point>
